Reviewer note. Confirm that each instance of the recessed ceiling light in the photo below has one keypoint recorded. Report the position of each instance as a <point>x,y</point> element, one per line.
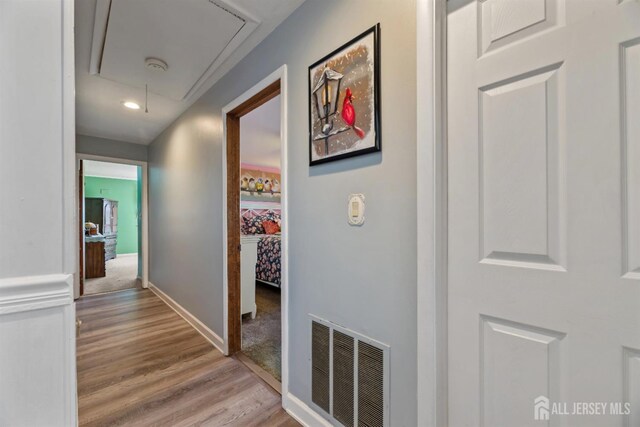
<point>132,105</point>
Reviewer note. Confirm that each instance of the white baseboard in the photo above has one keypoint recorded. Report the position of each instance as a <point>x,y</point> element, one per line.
<point>302,413</point>
<point>209,335</point>
<point>127,255</point>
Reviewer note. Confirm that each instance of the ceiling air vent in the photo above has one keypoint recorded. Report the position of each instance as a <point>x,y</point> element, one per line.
<point>349,375</point>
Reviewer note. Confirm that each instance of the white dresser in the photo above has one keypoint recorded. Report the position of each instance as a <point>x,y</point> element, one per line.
<point>248,258</point>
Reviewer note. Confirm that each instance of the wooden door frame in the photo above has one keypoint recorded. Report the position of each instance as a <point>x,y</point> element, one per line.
<point>80,192</point>
<point>432,202</point>
<point>271,86</point>
<point>144,229</point>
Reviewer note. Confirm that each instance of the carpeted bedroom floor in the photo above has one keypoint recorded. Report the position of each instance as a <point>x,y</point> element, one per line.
<point>122,273</point>
<point>261,337</point>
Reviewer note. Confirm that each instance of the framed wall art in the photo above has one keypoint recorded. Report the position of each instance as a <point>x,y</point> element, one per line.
<point>344,100</point>
<point>259,184</point>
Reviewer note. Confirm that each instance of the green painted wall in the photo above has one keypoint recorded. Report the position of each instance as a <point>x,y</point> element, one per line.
<point>126,193</point>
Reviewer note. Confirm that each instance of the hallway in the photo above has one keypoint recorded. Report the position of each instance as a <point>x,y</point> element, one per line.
<point>139,363</point>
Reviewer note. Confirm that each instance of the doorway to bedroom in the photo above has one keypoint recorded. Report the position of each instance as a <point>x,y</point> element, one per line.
<point>260,233</point>
<point>254,209</point>
<point>110,235</point>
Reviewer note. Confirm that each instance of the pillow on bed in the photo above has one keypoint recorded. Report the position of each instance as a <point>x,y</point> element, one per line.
<point>254,225</point>
<point>270,227</point>
<point>271,216</point>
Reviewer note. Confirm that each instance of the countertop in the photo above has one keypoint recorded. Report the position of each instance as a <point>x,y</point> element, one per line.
<point>94,238</point>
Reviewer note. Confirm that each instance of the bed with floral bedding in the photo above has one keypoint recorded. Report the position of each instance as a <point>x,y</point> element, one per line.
<point>268,260</point>
<point>260,228</point>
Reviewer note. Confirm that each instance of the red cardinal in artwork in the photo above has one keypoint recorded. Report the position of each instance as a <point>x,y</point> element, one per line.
<point>349,113</point>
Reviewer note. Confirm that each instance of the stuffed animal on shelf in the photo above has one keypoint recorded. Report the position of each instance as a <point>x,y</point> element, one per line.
<point>90,229</point>
<point>259,185</point>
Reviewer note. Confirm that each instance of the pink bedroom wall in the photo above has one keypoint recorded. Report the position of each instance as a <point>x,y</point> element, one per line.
<point>259,168</point>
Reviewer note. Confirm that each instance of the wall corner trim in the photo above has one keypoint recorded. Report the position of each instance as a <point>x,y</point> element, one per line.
<point>432,193</point>
<point>30,293</point>
<point>38,313</point>
<point>302,413</point>
<point>202,329</point>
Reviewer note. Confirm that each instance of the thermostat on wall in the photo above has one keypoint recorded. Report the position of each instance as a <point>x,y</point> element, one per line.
<point>356,209</point>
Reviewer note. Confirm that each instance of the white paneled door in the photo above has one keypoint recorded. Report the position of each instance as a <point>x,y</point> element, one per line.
<point>544,212</point>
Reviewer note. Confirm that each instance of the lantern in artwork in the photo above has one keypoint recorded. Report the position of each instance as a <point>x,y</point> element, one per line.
<point>325,95</point>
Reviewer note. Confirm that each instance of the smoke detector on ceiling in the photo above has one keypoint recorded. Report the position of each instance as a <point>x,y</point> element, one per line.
<point>155,64</point>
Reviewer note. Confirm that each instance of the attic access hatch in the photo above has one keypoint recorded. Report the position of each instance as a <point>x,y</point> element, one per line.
<point>193,37</point>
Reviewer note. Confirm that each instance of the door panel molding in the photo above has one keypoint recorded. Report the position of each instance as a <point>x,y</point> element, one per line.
<point>522,228</point>
<point>630,156</point>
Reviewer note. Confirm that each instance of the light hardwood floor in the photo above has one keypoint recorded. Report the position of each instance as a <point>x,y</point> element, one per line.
<point>139,363</point>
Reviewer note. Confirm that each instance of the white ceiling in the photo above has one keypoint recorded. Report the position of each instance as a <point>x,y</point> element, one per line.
<point>200,40</point>
<point>260,135</point>
<point>109,170</point>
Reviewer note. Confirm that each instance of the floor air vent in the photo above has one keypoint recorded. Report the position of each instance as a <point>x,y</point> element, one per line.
<point>343,378</point>
<point>370,385</point>
<point>349,375</point>
<point>320,366</point>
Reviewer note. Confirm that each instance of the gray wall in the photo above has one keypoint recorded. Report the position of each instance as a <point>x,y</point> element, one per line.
<point>363,278</point>
<point>110,148</point>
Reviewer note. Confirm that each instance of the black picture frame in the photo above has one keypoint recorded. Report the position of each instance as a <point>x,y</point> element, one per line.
<point>375,31</point>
